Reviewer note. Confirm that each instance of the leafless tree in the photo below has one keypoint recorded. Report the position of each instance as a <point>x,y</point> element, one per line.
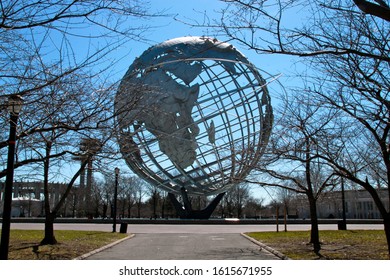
<point>53,56</point>
<point>346,52</point>
<point>40,62</point>
<point>140,194</point>
<point>253,207</point>
<point>128,194</point>
<point>98,199</point>
<point>292,162</point>
<point>154,199</point>
<point>235,200</point>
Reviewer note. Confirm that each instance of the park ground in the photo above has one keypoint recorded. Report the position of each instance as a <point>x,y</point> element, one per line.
<point>335,244</point>
<point>338,245</point>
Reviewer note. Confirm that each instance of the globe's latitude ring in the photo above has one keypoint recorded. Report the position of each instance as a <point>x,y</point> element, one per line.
<point>193,114</point>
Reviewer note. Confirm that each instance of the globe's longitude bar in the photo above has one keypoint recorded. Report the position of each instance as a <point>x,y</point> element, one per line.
<point>213,91</point>
<point>224,106</point>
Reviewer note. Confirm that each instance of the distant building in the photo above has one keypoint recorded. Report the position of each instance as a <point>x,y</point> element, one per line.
<point>358,205</point>
<point>28,199</point>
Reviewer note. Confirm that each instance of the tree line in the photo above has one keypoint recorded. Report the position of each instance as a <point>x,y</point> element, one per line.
<point>138,199</point>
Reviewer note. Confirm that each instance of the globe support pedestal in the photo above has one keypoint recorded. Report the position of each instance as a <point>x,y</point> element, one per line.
<point>185,211</point>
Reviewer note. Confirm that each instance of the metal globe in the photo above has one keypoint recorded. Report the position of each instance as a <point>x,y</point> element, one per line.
<point>193,114</point>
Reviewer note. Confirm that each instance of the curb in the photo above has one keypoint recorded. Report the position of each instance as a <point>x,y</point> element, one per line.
<point>86,255</point>
<point>265,247</point>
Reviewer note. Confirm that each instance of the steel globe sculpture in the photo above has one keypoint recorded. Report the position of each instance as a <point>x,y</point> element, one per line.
<point>194,117</point>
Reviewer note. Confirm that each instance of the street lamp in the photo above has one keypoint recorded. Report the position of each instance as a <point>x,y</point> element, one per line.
<point>343,224</point>
<point>14,106</point>
<point>115,198</point>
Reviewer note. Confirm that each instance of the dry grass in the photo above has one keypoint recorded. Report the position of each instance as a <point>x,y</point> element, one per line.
<point>24,244</point>
<point>336,245</point>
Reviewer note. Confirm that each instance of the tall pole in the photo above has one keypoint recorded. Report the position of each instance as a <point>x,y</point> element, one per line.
<point>343,204</point>
<point>88,191</point>
<point>14,105</point>
<point>277,217</point>
<point>115,199</point>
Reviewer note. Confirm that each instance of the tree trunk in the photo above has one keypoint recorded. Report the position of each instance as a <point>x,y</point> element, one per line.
<point>49,238</point>
<point>386,222</point>
<point>314,233</point>
<point>381,207</point>
<point>49,216</point>
<point>139,209</point>
<point>163,207</point>
<point>285,217</point>
<point>277,218</point>
<point>154,204</point>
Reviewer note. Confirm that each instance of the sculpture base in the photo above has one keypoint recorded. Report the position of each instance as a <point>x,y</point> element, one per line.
<point>185,211</point>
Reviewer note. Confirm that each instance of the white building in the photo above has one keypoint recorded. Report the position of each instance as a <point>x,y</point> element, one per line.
<point>28,198</point>
<point>358,205</point>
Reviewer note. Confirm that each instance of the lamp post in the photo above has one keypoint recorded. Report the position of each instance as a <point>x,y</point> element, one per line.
<point>14,105</point>
<point>115,199</point>
<point>343,225</point>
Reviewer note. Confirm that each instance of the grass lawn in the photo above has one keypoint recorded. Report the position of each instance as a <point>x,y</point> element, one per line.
<point>336,244</point>
<point>339,245</point>
<point>24,244</point>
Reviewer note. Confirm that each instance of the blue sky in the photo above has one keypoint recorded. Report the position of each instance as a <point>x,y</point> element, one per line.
<point>165,28</point>
<point>172,26</point>
<point>168,28</point>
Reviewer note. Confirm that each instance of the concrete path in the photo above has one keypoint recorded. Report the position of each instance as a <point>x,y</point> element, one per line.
<point>179,246</point>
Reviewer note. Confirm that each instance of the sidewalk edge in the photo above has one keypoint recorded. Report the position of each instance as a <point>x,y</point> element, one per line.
<point>86,255</point>
<point>265,247</point>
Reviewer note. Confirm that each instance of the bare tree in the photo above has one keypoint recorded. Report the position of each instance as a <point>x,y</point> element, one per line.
<point>292,161</point>
<point>105,189</point>
<point>39,61</point>
<point>66,88</point>
<point>41,55</point>
<point>140,193</point>
<point>253,207</point>
<point>98,201</point>
<point>235,200</point>
<point>358,86</point>
<point>155,199</point>
<point>129,189</point>
<point>285,196</point>
<point>348,54</point>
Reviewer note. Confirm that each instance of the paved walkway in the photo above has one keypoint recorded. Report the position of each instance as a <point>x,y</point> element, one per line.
<point>197,242</point>
<point>169,246</point>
